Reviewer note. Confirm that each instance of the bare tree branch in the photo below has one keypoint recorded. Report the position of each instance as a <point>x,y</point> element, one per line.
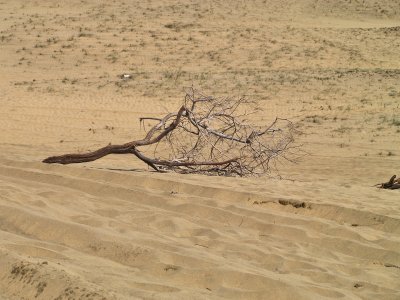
<point>207,135</point>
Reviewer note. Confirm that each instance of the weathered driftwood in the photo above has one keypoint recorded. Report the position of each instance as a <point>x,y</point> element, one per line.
<point>206,135</point>
<point>392,184</point>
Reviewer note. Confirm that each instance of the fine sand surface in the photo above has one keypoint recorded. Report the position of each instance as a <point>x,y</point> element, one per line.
<point>114,229</point>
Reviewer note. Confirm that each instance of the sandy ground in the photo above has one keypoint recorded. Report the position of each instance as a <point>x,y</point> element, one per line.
<point>113,229</point>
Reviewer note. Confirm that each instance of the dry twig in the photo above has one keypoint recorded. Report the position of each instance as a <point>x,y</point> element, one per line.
<point>392,184</point>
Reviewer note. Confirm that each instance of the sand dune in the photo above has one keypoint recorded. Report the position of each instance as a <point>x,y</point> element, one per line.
<point>120,235</point>
<point>113,229</point>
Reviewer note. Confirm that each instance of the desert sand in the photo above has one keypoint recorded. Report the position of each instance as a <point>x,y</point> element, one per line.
<point>114,229</point>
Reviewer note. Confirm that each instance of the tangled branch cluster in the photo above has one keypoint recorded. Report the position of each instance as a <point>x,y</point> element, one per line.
<point>207,135</point>
<point>214,136</point>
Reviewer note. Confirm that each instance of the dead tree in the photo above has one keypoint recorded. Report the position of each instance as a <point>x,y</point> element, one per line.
<point>206,135</point>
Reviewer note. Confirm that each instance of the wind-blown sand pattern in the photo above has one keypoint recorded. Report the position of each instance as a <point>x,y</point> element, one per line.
<point>113,229</point>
